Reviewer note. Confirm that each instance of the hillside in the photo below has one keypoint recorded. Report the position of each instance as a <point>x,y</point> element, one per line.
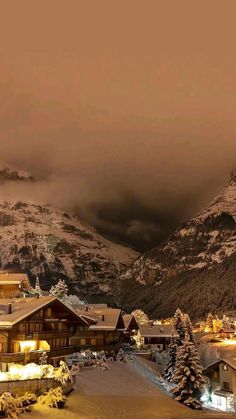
<point>46,242</point>
<point>194,269</point>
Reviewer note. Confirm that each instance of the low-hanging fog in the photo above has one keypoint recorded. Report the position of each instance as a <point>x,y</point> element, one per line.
<point>124,114</point>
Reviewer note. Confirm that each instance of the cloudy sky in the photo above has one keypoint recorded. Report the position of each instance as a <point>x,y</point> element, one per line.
<point>125,111</point>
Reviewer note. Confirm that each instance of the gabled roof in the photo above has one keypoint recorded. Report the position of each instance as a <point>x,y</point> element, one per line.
<point>7,278</point>
<point>160,330</point>
<point>231,362</point>
<point>24,307</point>
<point>103,319</point>
<point>129,319</point>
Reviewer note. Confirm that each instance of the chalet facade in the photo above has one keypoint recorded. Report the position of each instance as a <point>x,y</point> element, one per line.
<point>222,375</point>
<point>105,327</point>
<point>29,326</point>
<point>155,336</point>
<point>13,285</point>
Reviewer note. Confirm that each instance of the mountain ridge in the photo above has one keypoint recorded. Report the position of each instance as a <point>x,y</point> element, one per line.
<point>200,246</point>
<point>52,244</point>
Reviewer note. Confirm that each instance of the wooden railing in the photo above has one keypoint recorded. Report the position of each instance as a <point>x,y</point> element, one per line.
<point>33,356</point>
<point>44,335</point>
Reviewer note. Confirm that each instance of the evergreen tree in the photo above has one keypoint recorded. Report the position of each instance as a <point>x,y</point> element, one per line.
<point>60,290</point>
<point>209,322</point>
<point>187,325</point>
<point>170,368</point>
<point>178,323</point>
<point>37,288</point>
<point>188,375</point>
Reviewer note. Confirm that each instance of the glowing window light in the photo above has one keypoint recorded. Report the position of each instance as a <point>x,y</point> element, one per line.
<point>28,345</point>
<point>44,346</point>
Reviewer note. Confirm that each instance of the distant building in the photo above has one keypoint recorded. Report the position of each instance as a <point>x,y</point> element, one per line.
<point>222,375</point>
<point>155,336</point>
<point>105,327</point>
<point>14,284</point>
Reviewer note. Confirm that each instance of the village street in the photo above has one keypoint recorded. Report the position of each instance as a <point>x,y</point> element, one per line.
<point>119,393</point>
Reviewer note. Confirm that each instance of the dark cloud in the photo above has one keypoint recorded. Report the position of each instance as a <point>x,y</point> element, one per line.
<point>124,114</point>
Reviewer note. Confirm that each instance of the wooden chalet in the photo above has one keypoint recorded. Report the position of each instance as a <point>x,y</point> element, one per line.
<point>222,375</point>
<point>156,335</point>
<point>105,326</point>
<point>14,284</point>
<point>29,326</point>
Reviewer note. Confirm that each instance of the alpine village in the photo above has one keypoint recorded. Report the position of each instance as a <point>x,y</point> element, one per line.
<point>48,337</point>
<point>128,330</point>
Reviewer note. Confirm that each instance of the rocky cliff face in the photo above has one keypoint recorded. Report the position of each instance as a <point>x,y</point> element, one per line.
<point>194,269</point>
<point>46,242</point>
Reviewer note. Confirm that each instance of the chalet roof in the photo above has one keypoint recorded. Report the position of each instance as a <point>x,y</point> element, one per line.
<point>128,318</point>
<point>24,307</point>
<point>231,361</point>
<point>7,278</point>
<point>103,318</point>
<point>158,330</point>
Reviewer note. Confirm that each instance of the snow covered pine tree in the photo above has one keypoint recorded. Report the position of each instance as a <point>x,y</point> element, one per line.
<point>37,289</point>
<point>188,375</point>
<point>170,368</point>
<point>60,290</point>
<point>179,325</point>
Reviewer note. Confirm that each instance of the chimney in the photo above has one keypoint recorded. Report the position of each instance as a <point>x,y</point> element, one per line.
<point>102,317</point>
<point>86,308</point>
<point>9,311</point>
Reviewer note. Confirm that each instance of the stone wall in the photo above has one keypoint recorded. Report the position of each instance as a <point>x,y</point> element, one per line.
<point>32,386</point>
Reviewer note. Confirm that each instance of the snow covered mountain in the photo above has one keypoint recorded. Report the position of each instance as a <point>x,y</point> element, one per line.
<point>195,267</point>
<point>46,242</point>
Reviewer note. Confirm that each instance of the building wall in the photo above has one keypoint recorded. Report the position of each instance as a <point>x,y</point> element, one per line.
<point>227,378</point>
<point>8,291</point>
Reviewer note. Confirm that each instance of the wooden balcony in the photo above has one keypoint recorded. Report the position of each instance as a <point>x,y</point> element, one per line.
<point>43,335</point>
<point>33,356</point>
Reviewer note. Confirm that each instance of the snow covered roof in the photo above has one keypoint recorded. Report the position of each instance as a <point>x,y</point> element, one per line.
<point>160,330</point>
<point>21,308</point>
<point>231,361</point>
<point>7,278</point>
<point>103,319</point>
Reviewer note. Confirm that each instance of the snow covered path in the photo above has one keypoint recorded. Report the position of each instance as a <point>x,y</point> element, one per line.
<point>120,393</point>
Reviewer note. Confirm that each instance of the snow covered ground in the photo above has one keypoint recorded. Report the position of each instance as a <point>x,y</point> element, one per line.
<point>119,393</point>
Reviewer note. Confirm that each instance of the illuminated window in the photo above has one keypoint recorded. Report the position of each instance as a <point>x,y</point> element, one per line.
<point>28,345</point>
<point>225,367</point>
<point>44,346</point>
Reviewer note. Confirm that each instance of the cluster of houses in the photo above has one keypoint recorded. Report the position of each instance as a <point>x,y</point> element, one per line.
<point>30,325</point>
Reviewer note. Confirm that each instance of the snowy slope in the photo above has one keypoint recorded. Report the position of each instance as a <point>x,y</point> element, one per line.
<point>198,248</point>
<point>47,242</point>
